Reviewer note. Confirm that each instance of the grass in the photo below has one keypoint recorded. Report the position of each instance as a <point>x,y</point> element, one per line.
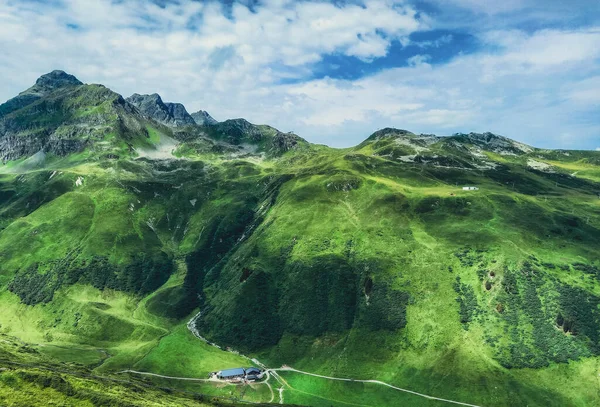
<point>350,263</point>
<point>29,378</point>
<point>181,354</point>
<point>84,356</point>
<point>318,392</point>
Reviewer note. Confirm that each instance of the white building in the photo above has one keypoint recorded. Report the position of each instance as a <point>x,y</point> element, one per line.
<point>470,189</point>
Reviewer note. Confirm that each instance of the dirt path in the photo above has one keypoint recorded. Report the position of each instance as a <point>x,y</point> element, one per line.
<point>191,325</point>
<point>269,386</point>
<point>289,369</point>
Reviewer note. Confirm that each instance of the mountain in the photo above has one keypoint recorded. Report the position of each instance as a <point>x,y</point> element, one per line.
<point>62,116</point>
<point>124,238</point>
<point>202,118</point>
<point>170,114</point>
<point>44,85</point>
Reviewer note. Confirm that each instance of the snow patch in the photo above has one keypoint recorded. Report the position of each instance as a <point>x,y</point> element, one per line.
<point>540,166</point>
<point>407,158</point>
<point>193,202</point>
<point>79,181</point>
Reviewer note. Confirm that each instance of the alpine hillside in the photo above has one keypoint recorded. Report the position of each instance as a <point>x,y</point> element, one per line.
<point>123,219</point>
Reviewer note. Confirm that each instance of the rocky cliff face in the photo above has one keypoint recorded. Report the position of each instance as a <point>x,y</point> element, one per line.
<point>169,114</point>
<point>202,118</point>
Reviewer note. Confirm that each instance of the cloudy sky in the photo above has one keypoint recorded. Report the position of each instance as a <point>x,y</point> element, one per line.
<point>331,71</point>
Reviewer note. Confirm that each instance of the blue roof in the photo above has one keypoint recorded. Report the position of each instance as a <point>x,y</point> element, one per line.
<point>232,372</point>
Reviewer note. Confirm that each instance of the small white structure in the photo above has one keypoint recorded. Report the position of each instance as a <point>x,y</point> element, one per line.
<point>470,189</point>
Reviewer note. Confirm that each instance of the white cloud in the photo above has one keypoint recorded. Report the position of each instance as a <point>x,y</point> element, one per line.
<point>490,7</point>
<point>532,87</point>
<point>437,43</point>
<point>586,91</point>
<point>546,49</point>
<point>418,59</point>
<point>136,42</point>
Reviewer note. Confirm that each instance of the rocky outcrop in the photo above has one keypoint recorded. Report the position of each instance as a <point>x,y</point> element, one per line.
<point>69,140</point>
<point>237,131</point>
<point>494,143</point>
<point>390,132</point>
<point>202,118</point>
<point>283,142</point>
<point>15,147</point>
<point>169,114</point>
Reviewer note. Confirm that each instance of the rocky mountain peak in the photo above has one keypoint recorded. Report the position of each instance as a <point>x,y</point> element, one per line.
<point>43,86</point>
<point>494,143</point>
<point>202,118</point>
<point>237,130</point>
<point>170,114</point>
<point>137,99</point>
<point>390,132</point>
<point>57,79</point>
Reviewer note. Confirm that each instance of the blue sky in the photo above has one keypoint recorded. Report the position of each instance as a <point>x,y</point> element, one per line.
<point>332,71</point>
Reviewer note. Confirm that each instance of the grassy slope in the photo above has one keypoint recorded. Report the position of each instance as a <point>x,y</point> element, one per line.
<point>30,378</point>
<point>417,224</point>
<point>400,225</point>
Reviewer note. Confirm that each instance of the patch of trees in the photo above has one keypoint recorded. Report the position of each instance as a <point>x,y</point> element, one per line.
<point>320,296</point>
<point>580,315</point>
<point>549,265</point>
<point>588,269</point>
<point>469,257</point>
<point>466,300</point>
<point>532,318</point>
<point>325,295</point>
<point>250,319</point>
<point>34,287</point>
<point>142,275</point>
<point>38,283</point>
<point>386,309</point>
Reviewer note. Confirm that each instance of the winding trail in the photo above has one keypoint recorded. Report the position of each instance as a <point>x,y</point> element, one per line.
<point>191,325</point>
<point>290,369</point>
<point>269,386</point>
